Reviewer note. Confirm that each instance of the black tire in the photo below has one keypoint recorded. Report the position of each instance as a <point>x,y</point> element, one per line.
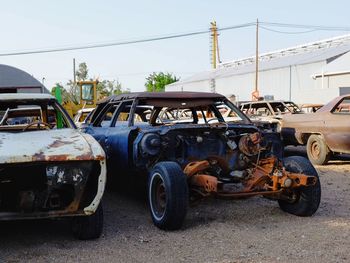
<point>317,150</point>
<point>307,199</point>
<point>168,195</point>
<point>88,227</point>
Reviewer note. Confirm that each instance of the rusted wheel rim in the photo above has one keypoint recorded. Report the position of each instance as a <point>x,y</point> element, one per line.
<point>315,150</point>
<point>158,196</point>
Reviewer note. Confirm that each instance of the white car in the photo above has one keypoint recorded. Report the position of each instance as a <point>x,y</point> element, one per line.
<point>48,169</point>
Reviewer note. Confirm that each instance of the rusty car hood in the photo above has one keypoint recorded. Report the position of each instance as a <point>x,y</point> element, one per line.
<point>48,145</point>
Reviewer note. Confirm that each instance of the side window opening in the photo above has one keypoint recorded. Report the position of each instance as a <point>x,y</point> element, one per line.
<point>343,107</point>
<point>123,113</point>
<point>107,118</point>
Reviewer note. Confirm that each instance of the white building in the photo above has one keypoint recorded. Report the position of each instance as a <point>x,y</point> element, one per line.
<point>311,73</point>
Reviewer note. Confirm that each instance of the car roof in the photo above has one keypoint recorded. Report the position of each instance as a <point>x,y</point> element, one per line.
<point>266,101</point>
<point>164,95</point>
<point>25,96</point>
<point>330,105</point>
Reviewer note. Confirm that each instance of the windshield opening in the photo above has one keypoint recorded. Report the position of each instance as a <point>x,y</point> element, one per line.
<point>18,116</point>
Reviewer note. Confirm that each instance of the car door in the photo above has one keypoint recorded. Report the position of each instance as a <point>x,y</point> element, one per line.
<point>117,140</point>
<point>101,124</point>
<point>336,127</point>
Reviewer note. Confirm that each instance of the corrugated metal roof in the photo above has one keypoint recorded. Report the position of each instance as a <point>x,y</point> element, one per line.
<point>11,77</point>
<point>312,56</point>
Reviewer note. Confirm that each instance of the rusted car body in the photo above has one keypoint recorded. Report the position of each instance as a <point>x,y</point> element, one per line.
<point>181,142</point>
<point>325,132</point>
<point>48,169</point>
<point>268,114</point>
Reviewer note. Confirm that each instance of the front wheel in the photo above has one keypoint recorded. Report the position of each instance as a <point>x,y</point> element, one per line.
<point>88,227</point>
<point>317,150</point>
<point>168,195</point>
<point>305,200</point>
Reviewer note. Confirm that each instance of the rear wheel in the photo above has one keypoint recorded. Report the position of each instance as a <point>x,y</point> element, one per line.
<point>317,150</point>
<point>304,201</point>
<point>88,227</point>
<point>168,195</point>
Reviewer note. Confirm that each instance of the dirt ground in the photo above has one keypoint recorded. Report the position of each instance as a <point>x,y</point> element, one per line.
<point>252,230</point>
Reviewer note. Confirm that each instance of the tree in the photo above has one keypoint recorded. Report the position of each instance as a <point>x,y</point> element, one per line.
<point>82,73</point>
<point>109,87</point>
<point>105,88</point>
<point>156,82</point>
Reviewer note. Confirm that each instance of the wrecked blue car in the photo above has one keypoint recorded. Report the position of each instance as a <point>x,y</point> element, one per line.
<point>192,145</point>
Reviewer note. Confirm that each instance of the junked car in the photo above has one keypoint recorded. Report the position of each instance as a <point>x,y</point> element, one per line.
<point>182,144</point>
<point>48,169</point>
<point>268,114</point>
<point>325,132</point>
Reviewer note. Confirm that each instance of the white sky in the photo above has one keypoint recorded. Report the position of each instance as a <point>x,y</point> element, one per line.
<point>36,24</point>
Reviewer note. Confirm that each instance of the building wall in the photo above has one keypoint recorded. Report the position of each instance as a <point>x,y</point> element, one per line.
<point>203,86</point>
<point>288,83</point>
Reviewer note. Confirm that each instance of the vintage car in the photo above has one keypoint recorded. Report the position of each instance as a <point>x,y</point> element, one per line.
<point>268,113</point>
<point>325,132</point>
<point>181,142</point>
<point>48,169</point>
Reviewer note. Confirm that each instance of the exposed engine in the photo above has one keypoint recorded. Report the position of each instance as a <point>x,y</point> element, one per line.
<point>229,151</point>
<point>232,163</point>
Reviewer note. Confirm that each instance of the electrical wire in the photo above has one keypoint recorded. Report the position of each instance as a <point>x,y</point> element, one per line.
<point>316,27</point>
<point>120,43</point>
<point>264,25</point>
<point>288,32</point>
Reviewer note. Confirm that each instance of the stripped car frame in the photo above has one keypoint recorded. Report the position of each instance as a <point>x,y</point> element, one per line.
<point>198,154</point>
<point>48,169</point>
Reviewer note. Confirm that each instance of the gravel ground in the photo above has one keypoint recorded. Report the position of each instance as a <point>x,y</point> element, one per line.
<point>252,230</point>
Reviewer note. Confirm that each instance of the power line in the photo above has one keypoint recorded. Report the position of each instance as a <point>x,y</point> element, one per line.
<point>288,32</point>
<point>120,43</point>
<point>264,25</point>
<point>316,27</point>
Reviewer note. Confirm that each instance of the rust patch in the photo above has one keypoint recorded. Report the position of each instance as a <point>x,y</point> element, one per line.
<point>196,167</point>
<point>99,157</point>
<point>85,156</point>
<point>42,157</point>
<point>207,182</point>
<point>58,143</point>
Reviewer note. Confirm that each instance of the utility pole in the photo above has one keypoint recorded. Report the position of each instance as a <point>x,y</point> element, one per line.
<point>255,94</point>
<point>215,55</point>
<point>214,52</point>
<point>74,74</point>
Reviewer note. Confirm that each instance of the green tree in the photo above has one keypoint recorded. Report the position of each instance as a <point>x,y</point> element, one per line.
<point>105,88</point>
<point>82,73</point>
<point>156,82</point>
<point>110,87</point>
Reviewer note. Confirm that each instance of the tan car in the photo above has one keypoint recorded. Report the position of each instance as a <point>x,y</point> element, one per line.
<point>325,132</point>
